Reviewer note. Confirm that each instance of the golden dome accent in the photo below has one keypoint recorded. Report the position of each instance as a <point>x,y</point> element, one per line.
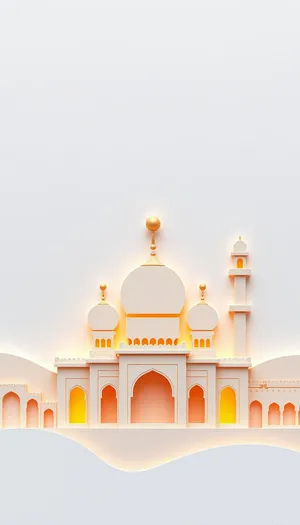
<point>103,288</point>
<point>202,288</point>
<point>153,223</point>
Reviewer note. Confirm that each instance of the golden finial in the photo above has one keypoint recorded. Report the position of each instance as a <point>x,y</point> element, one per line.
<point>202,288</point>
<point>240,237</point>
<point>103,288</point>
<point>153,224</point>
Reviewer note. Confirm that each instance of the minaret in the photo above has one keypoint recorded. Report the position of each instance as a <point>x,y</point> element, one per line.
<point>240,309</point>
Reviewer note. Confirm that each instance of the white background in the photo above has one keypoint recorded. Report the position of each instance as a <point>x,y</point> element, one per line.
<point>113,110</point>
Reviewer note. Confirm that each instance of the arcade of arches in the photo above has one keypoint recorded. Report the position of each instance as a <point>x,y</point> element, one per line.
<point>11,413</point>
<point>275,416</point>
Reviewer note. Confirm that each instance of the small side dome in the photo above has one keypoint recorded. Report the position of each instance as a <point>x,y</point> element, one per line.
<point>202,316</point>
<point>103,316</point>
<point>240,246</point>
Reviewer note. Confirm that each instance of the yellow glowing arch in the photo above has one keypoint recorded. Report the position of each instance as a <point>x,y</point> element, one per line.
<point>77,406</point>
<point>227,406</point>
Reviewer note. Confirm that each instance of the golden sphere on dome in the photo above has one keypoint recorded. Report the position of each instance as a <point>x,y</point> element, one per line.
<point>202,287</point>
<point>153,223</point>
<point>103,287</point>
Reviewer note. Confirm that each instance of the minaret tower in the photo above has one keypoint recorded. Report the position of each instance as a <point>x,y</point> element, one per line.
<point>240,309</point>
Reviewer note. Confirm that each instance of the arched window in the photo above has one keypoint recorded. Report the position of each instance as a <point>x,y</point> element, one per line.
<point>32,414</point>
<point>145,342</point>
<point>227,406</point>
<point>108,343</point>
<point>77,406</point>
<point>255,415</point>
<point>176,342</point>
<point>152,341</point>
<point>129,342</point>
<point>202,343</point>
<point>161,341</point>
<point>11,410</point>
<point>152,400</point>
<point>289,414</point>
<point>103,343</point>
<point>196,343</point>
<point>274,414</point>
<point>207,343</point>
<point>240,263</point>
<point>48,418</point>
<point>196,411</point>
<point>97,343</point>
<point>137,342</point>
<point>109,405</point>
<point>169,341</point>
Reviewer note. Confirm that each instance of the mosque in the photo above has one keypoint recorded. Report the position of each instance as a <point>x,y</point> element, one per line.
<point>154,379</point>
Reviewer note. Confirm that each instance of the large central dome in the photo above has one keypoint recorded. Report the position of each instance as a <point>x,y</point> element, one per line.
<point>153,290</point>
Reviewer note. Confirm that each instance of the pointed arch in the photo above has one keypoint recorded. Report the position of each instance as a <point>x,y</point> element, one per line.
<point>97,343</point>
<point>196,343</point>
<point>11,410</point>
<point>153,341</point>
<point>274,414</point>
<point>137,341</point>
<point>77,406</point>
<point>255,415</point>
<point>103,343</point>
<point>145,341</point>
<point>161,341</point>
<point>129,342</point>
<point>108,343</point>
<point>227,406</point>
<point>289,414</point>
<point>207,343</point>
<point>169,341</point>
<point>32,414</point>
<point>152,400</point>
<point>196,405</point>
<point>109,405</point>
<point>48,418</point>
<point>202,343</point>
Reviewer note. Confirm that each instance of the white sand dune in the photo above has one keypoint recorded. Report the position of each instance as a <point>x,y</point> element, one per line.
<point>47,479</point>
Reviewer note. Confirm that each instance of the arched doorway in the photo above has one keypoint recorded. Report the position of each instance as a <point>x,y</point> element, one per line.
<point>255,415</point>
<point>152,400</point>
<point>109,405</point>
<point>77,406</point>
<point>11,410</point>
<point>227,406</point>
<point>32,414</point>
<point>289,414</point>
<point>274,414</point>
<point>48,418</point>
<point>196,405</point>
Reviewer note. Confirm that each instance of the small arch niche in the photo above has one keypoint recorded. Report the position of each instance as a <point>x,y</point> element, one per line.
<point>240,263</point>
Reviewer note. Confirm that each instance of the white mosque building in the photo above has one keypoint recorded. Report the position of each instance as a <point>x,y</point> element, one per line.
<point>154,379</point>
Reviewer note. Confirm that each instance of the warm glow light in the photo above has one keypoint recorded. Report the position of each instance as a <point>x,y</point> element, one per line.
<point>227,406</point>
<point>77,406</point>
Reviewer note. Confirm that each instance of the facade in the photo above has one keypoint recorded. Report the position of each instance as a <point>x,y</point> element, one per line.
<point>154,379</point>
